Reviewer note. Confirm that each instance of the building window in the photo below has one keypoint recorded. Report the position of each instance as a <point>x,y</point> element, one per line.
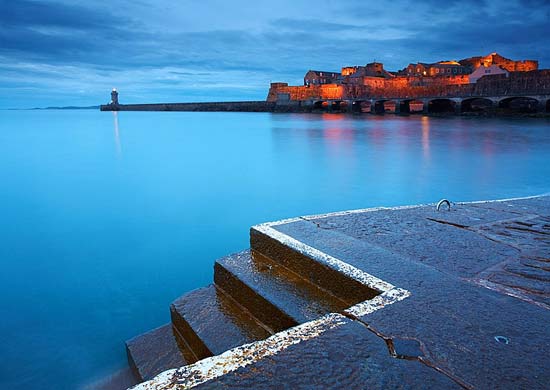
<point>448,70</point>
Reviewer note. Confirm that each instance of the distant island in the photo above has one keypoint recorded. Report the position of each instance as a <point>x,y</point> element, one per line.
<point>66,108</point>
<point>489,84</point>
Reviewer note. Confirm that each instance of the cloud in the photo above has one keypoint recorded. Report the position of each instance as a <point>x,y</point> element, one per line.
<point>319,26</point>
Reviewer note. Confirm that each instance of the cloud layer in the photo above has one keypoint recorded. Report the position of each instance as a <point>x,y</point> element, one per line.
<point>73,52</point>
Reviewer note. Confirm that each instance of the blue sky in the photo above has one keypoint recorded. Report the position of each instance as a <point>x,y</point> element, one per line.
<point>73,52</point>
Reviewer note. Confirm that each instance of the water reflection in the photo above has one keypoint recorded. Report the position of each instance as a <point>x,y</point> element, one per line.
<point>426,137</point>
<point>117,135</point>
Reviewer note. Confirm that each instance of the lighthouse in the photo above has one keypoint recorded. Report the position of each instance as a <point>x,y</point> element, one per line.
<point>114,97</point>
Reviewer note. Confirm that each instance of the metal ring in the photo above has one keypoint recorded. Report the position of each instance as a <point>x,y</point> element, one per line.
<point>441,202</point>
<point>502,339</point>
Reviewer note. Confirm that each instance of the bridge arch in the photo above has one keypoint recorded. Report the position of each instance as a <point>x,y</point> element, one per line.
<point>521,104</point>
<point>385,105</point>
<point>339,105</point>
<point>361,106</point>
<point>441,105</point>
<point>411,106</point>
<point>320,105</point>
<point>476,104</point>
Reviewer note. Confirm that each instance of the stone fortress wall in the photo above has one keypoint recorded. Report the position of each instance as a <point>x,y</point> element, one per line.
<point>521,78</point>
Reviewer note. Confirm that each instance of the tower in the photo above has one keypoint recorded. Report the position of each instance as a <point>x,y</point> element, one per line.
<point>114,97</point>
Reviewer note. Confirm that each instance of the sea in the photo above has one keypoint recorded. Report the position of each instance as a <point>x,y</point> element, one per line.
<point>106,217</point>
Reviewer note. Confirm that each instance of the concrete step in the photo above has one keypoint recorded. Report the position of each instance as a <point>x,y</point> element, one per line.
<point>272,244</point>
<point>277,297</point>
<point>210,322</point>
<point>156,351</point>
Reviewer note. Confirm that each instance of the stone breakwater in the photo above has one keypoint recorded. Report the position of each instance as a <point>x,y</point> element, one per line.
<point>243,106</point>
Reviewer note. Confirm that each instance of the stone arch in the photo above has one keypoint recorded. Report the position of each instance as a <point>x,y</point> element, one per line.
<point>318,105</point>
<point>378,107</point>
<point>386,105</point>
<point>439,106</point>
<point>411,106</point>
<point>356,106</point>
<point>339,105</point>
<point>361,106</point>
<point>476,104</point>
<point>520,104</point>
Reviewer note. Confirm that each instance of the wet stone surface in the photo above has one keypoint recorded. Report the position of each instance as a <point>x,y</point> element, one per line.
<point>154,352</point>
<point>271,286</point>
<point>406,348</point>
<point>445,264</point>
<point>520,207</point>
<point>347,357</point>
<point>213,320</point>
<point>476,314</point>
<point>415,233</point>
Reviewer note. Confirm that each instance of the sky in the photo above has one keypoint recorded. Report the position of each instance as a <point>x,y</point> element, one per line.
<point>61,53</point>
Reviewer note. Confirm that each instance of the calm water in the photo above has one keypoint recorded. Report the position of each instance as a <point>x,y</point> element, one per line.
<point>104,220</point>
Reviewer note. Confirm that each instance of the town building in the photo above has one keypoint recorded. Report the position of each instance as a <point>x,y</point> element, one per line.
<point>483,70</point>
<point>356,74</point>
<point>442,78</point>
<point>503,62</point>
<point>442,68</point>
<point>317,77</point>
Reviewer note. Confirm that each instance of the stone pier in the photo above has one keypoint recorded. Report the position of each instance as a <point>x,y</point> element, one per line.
<point>408,297</point>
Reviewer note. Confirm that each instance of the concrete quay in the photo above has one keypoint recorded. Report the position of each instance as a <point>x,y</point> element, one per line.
<point>405,298</point>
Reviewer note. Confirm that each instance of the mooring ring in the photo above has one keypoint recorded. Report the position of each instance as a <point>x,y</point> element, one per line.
<point>441,202</point>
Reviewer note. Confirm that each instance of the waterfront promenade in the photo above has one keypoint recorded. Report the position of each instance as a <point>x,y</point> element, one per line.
<point>407,297</point>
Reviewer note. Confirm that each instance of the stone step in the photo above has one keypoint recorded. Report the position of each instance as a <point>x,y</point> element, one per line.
<point>277,297</point>
<point>210,322</point>
<point>156,351</point>
<point>275,245</point>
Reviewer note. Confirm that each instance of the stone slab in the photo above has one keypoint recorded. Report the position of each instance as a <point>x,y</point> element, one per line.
<point>415,233</point>
<point>346,357</point>
<point>154,352</point>
<point>271,292</point>
<point>214,321</point>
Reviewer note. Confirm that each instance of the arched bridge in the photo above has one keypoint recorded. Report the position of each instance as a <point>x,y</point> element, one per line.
<point>426,105</point>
